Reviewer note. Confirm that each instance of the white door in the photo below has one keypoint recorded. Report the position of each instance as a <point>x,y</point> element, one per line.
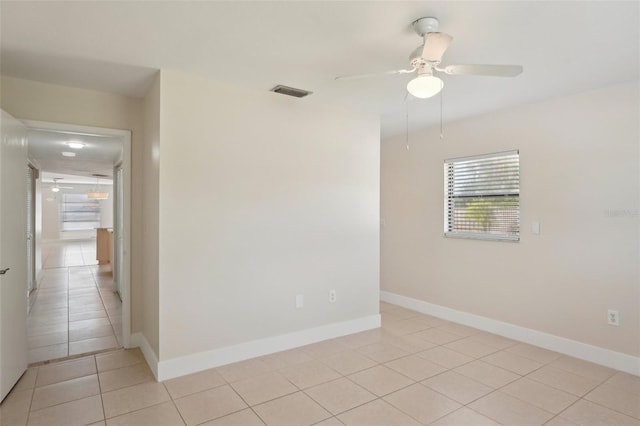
<point>13,253</point>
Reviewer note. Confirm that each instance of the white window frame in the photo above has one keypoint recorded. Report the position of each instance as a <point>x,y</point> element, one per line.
<point>450,197</point>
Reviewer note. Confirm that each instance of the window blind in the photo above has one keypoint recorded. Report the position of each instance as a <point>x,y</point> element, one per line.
<point>482,196</point>
<point>79,212</point>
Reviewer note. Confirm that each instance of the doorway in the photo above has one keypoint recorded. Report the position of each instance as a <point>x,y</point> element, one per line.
<point>76,165</point>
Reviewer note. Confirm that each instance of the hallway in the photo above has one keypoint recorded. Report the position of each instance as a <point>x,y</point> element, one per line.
<point>74,311</point>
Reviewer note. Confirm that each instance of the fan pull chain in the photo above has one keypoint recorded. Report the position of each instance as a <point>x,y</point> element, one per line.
<point>441,132</point>
<point>406,121</point>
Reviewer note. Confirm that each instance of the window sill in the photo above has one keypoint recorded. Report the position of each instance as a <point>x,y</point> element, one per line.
<point>478,236</point>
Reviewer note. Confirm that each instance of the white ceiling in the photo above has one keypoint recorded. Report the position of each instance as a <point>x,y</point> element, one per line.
<point>98,156</point>
<point>565,47</point>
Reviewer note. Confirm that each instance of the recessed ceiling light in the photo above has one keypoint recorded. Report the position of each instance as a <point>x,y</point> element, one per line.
<point>75,145</point>
<point>68,154</point>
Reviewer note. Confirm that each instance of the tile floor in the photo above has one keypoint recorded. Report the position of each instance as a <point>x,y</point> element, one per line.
<point>74,311</point>
<point>415,370</point>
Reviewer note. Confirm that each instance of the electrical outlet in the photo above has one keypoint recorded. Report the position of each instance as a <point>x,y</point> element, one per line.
<point>613,317</point>
<point>299,301</point>
<point>332,296</point>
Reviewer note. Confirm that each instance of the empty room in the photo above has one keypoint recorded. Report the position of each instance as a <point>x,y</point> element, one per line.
<point>320,213</point>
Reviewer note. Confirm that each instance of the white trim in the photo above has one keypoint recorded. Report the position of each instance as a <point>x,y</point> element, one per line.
<point>595,354</point>
<point>140,341</point>
<point>480,236</point>
<point>483,156</point>
<point>176,367</point>
<point>125,136</point>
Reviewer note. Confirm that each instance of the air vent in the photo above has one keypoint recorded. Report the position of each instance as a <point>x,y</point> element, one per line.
<point>290,91</point>
<point>98,175</point>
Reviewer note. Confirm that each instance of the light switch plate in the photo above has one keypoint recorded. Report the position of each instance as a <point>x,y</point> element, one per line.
<point>535,228</point>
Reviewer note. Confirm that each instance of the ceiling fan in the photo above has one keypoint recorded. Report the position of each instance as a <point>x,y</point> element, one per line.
<point>426,59</point>
<point>56,187</point>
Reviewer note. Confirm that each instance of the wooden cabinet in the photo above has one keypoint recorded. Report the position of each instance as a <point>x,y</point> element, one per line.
<point>104,245</point>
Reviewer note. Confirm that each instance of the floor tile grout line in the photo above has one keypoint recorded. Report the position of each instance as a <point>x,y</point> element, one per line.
<point>104,413</point>
<point>447,396</point>
<point>173,402</point>
<point>249,405</point>
<point>608,408</point>
<point>558,415</point>
<point>137,409</point>
<point>33,392</point>
<point>557,388</point>
<point>349,409</point>
<point>95,281</point>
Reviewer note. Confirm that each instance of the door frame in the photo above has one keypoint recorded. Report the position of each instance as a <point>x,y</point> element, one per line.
<point>32,279</point>
<point>125,161</point>
<point>118,198</point>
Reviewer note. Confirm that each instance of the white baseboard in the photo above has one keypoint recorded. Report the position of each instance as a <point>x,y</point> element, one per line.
<point>138,340</point>
<point>176,367</point>
<point>595,354</point>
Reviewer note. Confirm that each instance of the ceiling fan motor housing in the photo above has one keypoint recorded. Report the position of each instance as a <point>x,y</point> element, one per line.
<point>423,26</point>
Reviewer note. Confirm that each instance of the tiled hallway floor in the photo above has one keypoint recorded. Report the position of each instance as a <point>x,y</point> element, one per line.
<point>415,370</point>
<point>74,311</point>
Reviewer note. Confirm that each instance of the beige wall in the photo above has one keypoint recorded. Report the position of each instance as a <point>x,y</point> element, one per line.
<point>579,178</point>
<point>31,100</point>
<point>50,215</point>
<point>150,200</point>
<point>262,197</point>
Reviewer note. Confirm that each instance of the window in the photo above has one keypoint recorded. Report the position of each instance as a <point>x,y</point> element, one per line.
<point>79,212</point>
<point>482,197</point>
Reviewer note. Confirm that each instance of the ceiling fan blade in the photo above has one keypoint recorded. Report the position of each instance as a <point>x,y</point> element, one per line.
<point>375,74</point>
<point>435,44</point>
<point>489,70</point>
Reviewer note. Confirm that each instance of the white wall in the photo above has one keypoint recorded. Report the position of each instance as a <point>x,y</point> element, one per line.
<point>50,215</point>
<point>106,207</point>
<point>262,197</point>
<point>150,156</point>
<point>579,178</point>
<point>38,230</point>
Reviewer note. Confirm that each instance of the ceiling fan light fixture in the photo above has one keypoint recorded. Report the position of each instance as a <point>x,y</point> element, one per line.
<point>55,189</point>
<point>94,195</point>
<point>425,86</point>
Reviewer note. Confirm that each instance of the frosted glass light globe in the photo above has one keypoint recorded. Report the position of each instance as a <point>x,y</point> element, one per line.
<point>425,86</point>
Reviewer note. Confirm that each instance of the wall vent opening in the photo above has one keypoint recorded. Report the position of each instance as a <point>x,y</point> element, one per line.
<point>290,91</point>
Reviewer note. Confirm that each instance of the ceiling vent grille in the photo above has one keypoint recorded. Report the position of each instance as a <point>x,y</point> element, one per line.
<point>290,91</point>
